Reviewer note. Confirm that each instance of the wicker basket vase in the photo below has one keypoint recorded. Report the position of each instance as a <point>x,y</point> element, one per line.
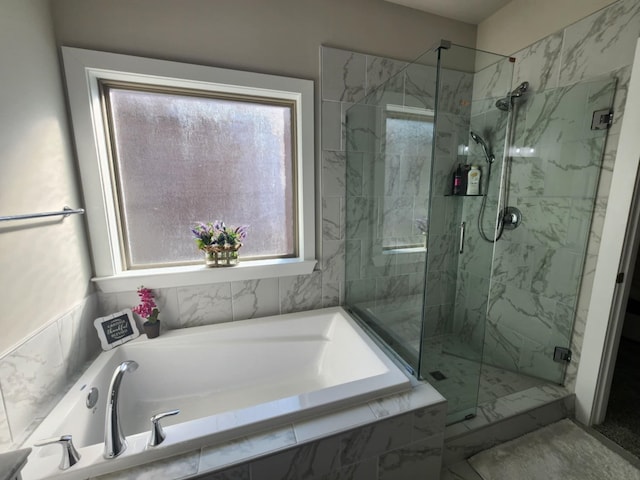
<point>216,256</point>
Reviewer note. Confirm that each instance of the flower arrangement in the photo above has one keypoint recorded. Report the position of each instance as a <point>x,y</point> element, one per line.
<point>147,308</point>
<point>219,242</point>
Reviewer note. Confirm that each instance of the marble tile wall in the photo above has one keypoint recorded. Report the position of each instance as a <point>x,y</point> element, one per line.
<point>35,375</point>
<point>543,272</point>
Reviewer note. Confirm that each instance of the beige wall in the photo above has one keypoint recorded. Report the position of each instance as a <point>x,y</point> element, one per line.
<point>523,22</point>
<point>44,264</point>
<point>275,36</point>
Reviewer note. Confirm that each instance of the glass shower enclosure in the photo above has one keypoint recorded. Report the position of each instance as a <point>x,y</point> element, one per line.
<point>438,274</point>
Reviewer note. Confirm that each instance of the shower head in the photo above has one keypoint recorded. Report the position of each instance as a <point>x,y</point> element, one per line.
<point>506,103</point>
<point>480,141</point>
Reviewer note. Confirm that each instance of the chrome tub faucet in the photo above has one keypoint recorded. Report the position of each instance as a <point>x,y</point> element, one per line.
<point>114,440</point>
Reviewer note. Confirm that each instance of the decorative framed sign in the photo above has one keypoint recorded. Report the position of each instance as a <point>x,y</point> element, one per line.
<point>116,329</point>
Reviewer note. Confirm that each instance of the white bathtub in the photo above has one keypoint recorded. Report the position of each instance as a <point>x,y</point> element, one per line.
<point>227,380</point>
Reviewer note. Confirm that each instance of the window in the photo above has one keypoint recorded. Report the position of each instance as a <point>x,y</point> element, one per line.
<point>163,145</point>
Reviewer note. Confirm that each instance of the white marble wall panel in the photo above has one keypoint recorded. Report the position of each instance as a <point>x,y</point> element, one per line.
<point>78,338</point>
<point>301,292</point>
<point>32,378</point>
<point>307,461</point>
<point>601,42</point>
<point>422,458</point>
<point>180,466</point>
<point>333,173</point>
<point>494,81</point>
<point>255,298</point>
<point>343,75</point>
<point>246,447</point>
<point>361,126</point>
<point>372,440</point>
<point>331,218</point>
<point>437,320</point>
<point>333,272</point>
<point>242,472</point>
<point>456,92</point>
<point>204,305</point>
<point>539,64</point>
<point>5,433</point>
<point>385,81</point>
<point>331,128</point>
<point>420,86</point>
<point>382,70</point>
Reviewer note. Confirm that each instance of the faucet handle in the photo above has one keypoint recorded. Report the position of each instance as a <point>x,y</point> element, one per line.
<point>70,455</point>
<point>157,433</point>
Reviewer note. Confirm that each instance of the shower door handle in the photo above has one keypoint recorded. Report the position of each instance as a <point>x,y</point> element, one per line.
<point>462,227</point>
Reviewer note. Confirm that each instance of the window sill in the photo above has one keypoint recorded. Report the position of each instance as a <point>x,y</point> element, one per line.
<point>201,275</point>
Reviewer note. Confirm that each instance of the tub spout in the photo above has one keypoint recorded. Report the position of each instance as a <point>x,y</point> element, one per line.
<point>114,440</point>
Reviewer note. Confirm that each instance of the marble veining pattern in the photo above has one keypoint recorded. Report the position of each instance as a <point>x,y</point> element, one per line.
<point>32,378</point>
<point>539,64</point>
<point>246,447</point>
<point>599,43</point>
<point>255,298</point>
<point>175,467</point>
<point>301,292</point>
<point>5,433</point>
<point>204,305</point>
<point>343,75</point>
<point>412,461</point>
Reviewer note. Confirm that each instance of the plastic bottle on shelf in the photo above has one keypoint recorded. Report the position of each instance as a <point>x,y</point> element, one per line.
<point>473,180</point>
<point>457,181</point>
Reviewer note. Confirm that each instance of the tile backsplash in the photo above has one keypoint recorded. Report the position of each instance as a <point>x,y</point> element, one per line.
<point>35,374</point>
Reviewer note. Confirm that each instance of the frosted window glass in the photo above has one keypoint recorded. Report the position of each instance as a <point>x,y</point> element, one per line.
<point>181,159</point>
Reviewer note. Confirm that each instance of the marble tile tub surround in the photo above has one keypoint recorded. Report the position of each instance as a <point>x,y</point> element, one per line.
<point>35,374</point>
<point>397,437</point>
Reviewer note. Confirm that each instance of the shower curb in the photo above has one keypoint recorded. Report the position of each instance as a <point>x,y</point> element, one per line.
<point>505,419</point>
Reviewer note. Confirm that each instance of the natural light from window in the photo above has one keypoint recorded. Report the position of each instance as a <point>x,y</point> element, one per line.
<point>183,158</point>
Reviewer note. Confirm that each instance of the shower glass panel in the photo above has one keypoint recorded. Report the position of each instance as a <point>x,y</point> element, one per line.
<point>555,164</point>
<point>458,260</point>
<point>389,138</point>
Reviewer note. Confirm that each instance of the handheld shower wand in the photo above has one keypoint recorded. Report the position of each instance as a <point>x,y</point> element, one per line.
<point>490,159</point>
<point>480,141</point>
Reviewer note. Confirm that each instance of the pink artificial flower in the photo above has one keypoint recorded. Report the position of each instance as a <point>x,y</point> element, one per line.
<point>147,308</point>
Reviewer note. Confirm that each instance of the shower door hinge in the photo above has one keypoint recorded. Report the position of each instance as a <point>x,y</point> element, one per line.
<point>562,354</point>
<point>620,277</point>
<point>602,119</point>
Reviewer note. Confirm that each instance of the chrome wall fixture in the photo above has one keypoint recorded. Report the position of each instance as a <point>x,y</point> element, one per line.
<point>65,212</point>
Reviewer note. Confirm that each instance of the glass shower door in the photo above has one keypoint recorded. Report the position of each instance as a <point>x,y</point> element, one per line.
<point>458,259</point>
<point>556,160</point>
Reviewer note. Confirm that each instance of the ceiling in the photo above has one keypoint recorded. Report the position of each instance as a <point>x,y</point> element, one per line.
<point>469,11</point>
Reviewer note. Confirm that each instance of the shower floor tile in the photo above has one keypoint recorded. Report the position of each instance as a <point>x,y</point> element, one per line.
<point>467,382</point>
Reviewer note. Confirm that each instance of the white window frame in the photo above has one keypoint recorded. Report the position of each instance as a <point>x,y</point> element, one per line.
<point>83,70</point>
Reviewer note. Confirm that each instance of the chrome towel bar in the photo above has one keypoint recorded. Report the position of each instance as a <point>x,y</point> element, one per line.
<point>65,212</point>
